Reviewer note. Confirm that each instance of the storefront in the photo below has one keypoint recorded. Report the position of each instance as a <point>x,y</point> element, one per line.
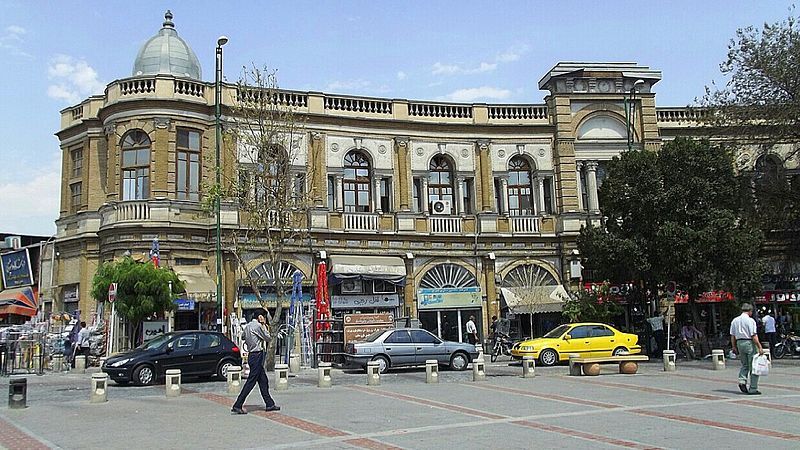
<point>195,309</point>
<point>448,295</point>
<point>366,284</point>
<point>532,299</point>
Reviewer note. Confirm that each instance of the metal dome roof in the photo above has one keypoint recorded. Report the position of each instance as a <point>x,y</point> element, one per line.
<point>167,53</point>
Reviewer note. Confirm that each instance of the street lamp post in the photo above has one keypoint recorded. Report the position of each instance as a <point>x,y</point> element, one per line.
<point>630,107</point>
<point>222,40</point>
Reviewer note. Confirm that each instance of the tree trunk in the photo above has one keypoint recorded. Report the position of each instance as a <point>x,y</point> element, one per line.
<point>531,323</point>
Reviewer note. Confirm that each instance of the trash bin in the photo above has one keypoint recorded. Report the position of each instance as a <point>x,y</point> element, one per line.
<point>17,393</point>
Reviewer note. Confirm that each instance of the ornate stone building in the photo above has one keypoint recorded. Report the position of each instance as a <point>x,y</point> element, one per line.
<point>432,210</point>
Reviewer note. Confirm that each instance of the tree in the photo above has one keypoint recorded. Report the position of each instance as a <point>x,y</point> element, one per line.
<point>591,306</point>
<point>268,187</point>
<point>675,215</point>
<point>143,290</point>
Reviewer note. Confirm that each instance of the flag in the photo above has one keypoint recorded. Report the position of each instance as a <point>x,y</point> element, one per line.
<point>154,252</point>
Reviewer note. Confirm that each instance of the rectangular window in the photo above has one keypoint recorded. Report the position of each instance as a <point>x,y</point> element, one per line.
<point>417,189</point>
<point>135,174</point>
<point>188,170</point>
<point>469,186</point>
<point>331,193</point>
<point>547,185</point>
<point>77,162</point>
<point>75,195</point>
<point>386,194</point>
<point>498,191</point>
<point>383,287</point>
<point>584,191</point>
<point>299,188</point>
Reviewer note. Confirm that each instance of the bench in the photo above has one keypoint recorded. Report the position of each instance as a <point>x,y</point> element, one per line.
<point>628,364</point>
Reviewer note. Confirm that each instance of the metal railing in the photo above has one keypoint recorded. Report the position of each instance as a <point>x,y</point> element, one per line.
<point>525,225</point>
<point>361,222</point>
<point>445,225</point>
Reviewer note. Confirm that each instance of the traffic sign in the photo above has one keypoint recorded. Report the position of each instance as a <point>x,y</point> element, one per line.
<point>112,292</point>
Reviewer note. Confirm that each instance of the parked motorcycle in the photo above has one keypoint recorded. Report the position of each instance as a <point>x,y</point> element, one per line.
<point>502,345</point>
<point>789,345</point>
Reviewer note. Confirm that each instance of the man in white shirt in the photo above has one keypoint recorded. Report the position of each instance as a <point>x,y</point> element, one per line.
<point>472,331</point>
<point>769,330</point>
<point>745,343</point>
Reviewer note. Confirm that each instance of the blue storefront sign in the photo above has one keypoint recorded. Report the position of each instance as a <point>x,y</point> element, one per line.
<point>16,268</point>
<point>184,304</point>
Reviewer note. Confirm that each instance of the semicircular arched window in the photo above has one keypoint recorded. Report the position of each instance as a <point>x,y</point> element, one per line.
<point>529,276</point>
<point>448,276</point>
<point>265,273</point>
<point>520,189</point>
<point>135,165</point>
<point>356,183</point>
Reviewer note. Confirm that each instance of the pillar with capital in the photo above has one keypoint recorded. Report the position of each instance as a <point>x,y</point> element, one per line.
<point>318,166</point>
<point>339,193</point>
<point>502,208</point>
<point>424,195</point>
<point>486,178</point>
<point>591,186</point>
<point>377,194</point>
<point>460,195</point>
<point>404,181</point>
<point>578,169</point>
<point>540,196</point>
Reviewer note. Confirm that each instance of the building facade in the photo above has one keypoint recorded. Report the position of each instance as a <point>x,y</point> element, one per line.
<point>429,210</point>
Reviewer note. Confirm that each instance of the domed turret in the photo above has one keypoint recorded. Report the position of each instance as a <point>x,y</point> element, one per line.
<point>167,53</point>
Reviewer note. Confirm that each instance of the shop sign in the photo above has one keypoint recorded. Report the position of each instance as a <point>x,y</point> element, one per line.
<point>16,268</point>
<point>70,293</point>
<point>450,298</point>
<point>367,319</point>
<point>184,304</point>
<point>153,329</point>
<point>365,301</point>
<point>359,326</point>
<point>781,296</point>
<point>249,300</point>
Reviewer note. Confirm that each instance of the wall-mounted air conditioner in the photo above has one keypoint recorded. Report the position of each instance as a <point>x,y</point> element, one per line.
<point>441,207</point>
<point>12,242</point>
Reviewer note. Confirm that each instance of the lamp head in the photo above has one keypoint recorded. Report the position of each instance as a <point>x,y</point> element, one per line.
<point>222,40</point>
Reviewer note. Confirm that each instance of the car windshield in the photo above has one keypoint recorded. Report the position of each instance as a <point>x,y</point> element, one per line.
<point>557,331</point>
<point>373,336</point>
<point>155,342</point>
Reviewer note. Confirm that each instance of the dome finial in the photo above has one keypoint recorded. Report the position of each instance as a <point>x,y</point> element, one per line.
<point>168,20</point>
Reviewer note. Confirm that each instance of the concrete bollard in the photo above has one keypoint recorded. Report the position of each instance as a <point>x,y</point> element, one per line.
<point>669,361</point>
<point>58,363</point>
<point>431,371</point>
<point>373,373</point>
<point>99,392</point>
<point>173,382</point>
<point>80,364</point>
<point>768,355</point>
<point>574,369</point>
<point>479,369</point>
<point>281,377</point>
<point>718,359</point>
<point>528,367</point>
<point>17,392</point>
<point>324,375</point>
<point>294,363</point>
<point>234,378</point>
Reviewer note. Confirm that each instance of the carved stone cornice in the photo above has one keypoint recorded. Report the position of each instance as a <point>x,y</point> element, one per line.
<point>161,122</point>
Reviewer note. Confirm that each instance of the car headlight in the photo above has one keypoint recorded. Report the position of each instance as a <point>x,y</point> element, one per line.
<point>121,362</point>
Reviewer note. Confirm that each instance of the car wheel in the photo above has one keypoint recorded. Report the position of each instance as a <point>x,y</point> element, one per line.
<point>459,361</point>
<point>144,375</point>
<point>383,363</point>
<point>548,357</point>
<point>619,350</point>
<point>222,370</point>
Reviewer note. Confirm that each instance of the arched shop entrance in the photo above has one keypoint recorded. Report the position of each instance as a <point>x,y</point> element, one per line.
<point>265,274</point>
<point>532,299</point>
<point>448,294</point>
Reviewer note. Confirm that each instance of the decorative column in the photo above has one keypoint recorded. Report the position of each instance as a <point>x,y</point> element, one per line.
<point>159,172</point>
<point>424,195</point>
<point>112,164</point>
<point>502,208</point>
<point>578,169</point>
<point>540,186</point>
<point>591,185</point>
<point>404,179</point>
<point>339,194</point>
<point>487,180</point>
<point>377,197</point>
<point>318,167</point>
<point>460,195</point>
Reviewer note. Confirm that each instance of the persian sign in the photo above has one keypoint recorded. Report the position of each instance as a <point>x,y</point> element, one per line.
<point>359,326</point>
<point>16,268</point>
<point>365,301</point>
<point>153,329</point>
<point>449,298</point>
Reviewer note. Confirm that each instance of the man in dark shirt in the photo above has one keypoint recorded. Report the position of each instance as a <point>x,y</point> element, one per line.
<point>256,337</point>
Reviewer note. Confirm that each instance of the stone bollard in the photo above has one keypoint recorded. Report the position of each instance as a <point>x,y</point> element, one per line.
<point>528,367</point>
<point>324,375</point>
<point>294,363</point>
<point>373,373</point>
<point>58,363</point>
<point>574,369</point>
<point>234,376</point>
<point>669,360</point>
<point>80,364</point>
<point>479,369</point>
<point>173,382</point>
<point>431,371</point>
<point>718,359</point>
<point>17,392</point>
<point>768,355</point>
<point>281,377</point>
<point>99,392</point>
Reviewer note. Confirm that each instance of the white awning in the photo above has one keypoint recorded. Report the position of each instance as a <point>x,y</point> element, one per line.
<point>532,300</point>
<point>368,266</point>
<point>199,284</point>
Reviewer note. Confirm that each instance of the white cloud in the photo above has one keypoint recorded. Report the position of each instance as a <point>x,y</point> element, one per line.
<point>454,69</point>
<point>15,31</point>
<point>20,213</point>
<point>73,78</point>
<point>401,75</point>
<point>512,54</point>
<point>478,93</point>
<point>359,86</point>
<point>11,40</point>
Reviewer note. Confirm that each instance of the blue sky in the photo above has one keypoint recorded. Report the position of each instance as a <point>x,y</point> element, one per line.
<point>57,53</point>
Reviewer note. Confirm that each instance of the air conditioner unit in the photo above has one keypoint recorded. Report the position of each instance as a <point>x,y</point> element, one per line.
<point>351,287</point>
<point>441,207</point>
<point>12,242</point>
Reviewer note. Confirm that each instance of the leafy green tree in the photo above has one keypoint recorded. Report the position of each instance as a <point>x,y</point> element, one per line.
<point>675,215</point>
<point>143,290</point>
<point>594,306</point>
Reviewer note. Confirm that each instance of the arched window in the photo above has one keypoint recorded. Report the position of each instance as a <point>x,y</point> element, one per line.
<point>448,276</point>
<point>356,183</point>
<point>440,180</point>
<point>768,169</point>
<point>520,189</point>
<point>135,166</point>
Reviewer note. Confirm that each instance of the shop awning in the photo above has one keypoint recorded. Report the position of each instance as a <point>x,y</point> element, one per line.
<point>532,300</point>
<point>199,284</point>
<point>22,301</point>
<point>387,268</point>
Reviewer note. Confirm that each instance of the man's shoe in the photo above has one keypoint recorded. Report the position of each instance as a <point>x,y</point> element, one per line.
<point>743,388</point>
<point>238,411</point>
<point>272,408</point>
<point>756,392</point>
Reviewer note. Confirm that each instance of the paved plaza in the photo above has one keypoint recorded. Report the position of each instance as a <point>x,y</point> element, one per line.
<point>695,407</point>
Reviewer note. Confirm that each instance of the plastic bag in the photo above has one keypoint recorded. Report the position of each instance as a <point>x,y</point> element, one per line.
<point>760,365</point>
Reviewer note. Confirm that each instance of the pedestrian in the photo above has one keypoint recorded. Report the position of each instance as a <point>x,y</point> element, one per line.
<point>256,337</point>
<point>690,340</point>
<point>786,321</point>
<point>83,342</point>
<point>493,328</point>
<point>472,331</point>
<point>769,330</point>
<point>657,327</point>
<point>745,343</point>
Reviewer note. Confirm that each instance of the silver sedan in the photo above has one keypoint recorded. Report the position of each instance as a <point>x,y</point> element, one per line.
<point>400,347</point>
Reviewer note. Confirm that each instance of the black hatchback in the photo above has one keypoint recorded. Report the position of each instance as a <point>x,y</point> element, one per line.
<point>195,353</point>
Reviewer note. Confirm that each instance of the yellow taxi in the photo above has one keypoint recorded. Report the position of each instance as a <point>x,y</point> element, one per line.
<point>585,339</point>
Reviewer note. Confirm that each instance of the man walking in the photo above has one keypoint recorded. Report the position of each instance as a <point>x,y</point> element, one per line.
<point>472,331</point>
<point>744,340</point>
<point>769,330</point>
<point>657,326</point>
<point>256,337</point>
